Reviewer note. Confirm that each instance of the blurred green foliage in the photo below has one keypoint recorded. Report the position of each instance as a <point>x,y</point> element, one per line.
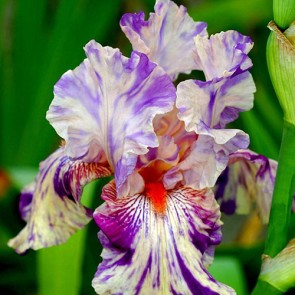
<point>39,41</point>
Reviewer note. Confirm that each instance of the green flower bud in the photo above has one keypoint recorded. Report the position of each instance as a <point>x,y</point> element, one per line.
<point>280,271</point>
<point>284,12</point>
<point>281,65</point>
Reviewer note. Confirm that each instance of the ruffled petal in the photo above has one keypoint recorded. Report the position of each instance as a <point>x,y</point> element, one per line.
<point>150,253</point>
<point>105,107</point>
<point>203,163</point>
<point>212,105</point>
<point>248,179</point>
<point>223,55</point>
<point>170,125</point>
<point>167,152</point>
<point>165,37</point>
<point>51,206</point>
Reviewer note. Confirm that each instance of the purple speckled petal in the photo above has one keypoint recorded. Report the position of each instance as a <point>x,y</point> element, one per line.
<point>51,206</point>
<point>105,107</point>
<point>212,105</point>
<point>249,178</point>
<point>166,37</point>
<point>150,253</point>
<point>223,54</point>
<point>25,202</point>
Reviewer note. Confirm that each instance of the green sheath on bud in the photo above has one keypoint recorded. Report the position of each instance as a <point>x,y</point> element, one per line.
<point>284,12</point>
<point>281,65</point>
<point>280,271</point>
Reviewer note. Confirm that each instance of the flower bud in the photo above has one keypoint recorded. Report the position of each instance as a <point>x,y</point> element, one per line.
<point>280,271</point>
<point>281,65</point>
<point>284,12</point>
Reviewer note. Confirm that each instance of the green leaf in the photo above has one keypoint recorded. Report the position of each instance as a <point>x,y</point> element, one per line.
<point>228,270</point>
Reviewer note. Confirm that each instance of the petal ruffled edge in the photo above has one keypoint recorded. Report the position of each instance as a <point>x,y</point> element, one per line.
<point>51,206</point>
<point>165,36</point>
<point>223,54</point>
<point>101,122</point>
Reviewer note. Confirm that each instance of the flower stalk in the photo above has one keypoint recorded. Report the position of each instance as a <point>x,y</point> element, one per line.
<point>280,215</point>
<point>281,64</point>
<point>275,274</point>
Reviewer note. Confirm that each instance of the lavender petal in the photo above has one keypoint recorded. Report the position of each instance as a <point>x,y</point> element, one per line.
<point>105,107</point>
<point>165,37</point>
<point>223,55</point>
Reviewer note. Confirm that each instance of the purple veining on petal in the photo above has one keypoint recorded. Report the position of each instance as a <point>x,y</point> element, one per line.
<point>51,206</point>
<point>144,274</point>
<point>206,108</point>
<point>224,54</point>
<point>165,36</point>
<point>215,103</point>
<point>101,122</point>
<point>167,251</point>
<point>190,280</point>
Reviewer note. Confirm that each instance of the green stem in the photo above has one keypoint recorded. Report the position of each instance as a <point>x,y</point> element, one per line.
<point>277,235</point>
<point>263,287</point>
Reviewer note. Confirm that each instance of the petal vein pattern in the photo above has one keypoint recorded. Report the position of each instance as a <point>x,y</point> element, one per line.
<point>223,54</point>
<point>248,179</point>
<point>105,107</point>
<point>212,105</point>
<point>165,36</point>
<point>51,206</point>
<point>150,253</point>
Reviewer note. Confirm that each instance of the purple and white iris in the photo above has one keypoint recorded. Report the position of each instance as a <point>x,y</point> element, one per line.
<point>167,147</point>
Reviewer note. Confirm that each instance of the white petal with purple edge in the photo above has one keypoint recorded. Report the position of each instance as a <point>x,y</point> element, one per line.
<point>51,207</point>
<point>105,107</point>
<point>165,37</point>
<point>249,178</point>
<point>150,253</point>
<point>223,54</point>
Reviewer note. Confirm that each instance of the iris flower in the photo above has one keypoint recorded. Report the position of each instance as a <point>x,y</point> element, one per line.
<point>166,144</point>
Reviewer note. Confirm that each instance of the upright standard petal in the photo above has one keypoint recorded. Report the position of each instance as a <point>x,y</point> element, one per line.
<point>165,37</point>
<point>51,206</point>
<point>223,55</point>
<point>104,108</point>
<point>202,164</point>
<point>147,251</point>
<point>204,106</point>
<point>248,179</point>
